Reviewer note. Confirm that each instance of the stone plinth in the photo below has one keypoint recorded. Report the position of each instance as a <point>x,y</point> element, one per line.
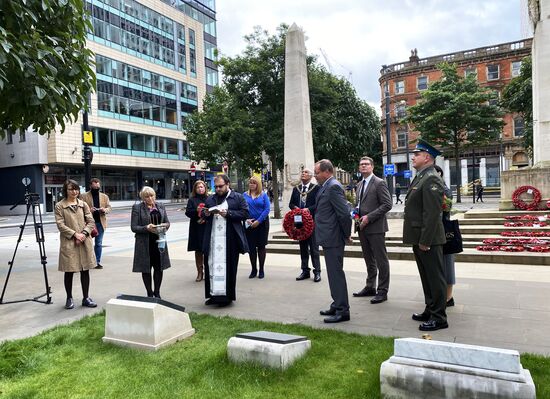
<point>434,369</point>
<point>538,177</point>
<point>266,348</point>
<point>145,323</point>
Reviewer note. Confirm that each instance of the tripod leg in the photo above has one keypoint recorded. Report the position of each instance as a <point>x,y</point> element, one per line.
<point>39,232</point>
<point>10,263</point>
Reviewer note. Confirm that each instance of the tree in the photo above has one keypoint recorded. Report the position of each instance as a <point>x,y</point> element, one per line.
<point>518,97</point>
<point>344,126</point>
<point>456,113</point>
<point>45,73</point>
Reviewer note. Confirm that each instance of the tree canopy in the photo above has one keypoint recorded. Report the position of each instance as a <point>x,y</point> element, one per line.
<point>45,72</point>
<point>456,113</point>
<point>517,97</point>
<point>250,105</point>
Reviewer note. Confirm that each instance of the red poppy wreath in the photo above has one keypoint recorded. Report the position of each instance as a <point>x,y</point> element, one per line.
<point>302,233</point>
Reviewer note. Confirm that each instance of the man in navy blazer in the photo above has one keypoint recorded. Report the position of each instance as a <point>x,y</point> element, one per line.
<point>303,196</point>
<point>333,231</point>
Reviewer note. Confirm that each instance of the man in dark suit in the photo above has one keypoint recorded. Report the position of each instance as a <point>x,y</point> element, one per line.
<point>374,202</point>
<point>224,239</point>
<point>423,228</point>
<point>303,196</point>
<point>333,230</point>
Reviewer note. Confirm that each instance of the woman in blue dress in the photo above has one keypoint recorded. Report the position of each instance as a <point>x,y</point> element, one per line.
<point>257,227</point>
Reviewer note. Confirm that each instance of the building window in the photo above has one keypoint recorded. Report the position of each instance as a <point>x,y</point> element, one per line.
<point>402,137</point>
<point>399,87</point>
<point>519,126</point>
<point>401,110</point>
<point>422,82</point>
<point>22,137</point>
<point>493,72</point>
<point>470,71</point>
<point>9,136</point>
<point>516,67</point>
<point>496,98</point>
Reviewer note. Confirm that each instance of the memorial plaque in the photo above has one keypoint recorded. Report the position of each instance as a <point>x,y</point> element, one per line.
<point>268,336</point>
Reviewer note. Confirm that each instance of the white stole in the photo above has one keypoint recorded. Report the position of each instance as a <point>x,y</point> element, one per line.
<point>217,255</point>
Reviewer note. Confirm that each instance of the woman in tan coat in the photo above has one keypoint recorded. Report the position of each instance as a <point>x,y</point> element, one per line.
<point>76,253</point>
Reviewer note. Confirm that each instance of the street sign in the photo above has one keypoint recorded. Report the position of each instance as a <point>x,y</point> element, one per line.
<point>389,169</point>
<point>407,174</point>
<point>88,137</point>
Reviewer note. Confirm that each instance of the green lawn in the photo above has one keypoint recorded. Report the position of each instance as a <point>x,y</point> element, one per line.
<point>72,361</point>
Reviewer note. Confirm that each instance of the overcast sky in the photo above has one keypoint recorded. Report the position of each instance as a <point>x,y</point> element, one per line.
<point>359,36</point>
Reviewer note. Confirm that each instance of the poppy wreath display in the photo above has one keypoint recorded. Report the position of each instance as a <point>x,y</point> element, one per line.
<point>525,224</point>
<point>512,248</point>
<point>533,218</point>
<point>521,204</point>
<point>538,248</point>
<point>302,233</point>
<point>514,233</point>
<point>488,248</point>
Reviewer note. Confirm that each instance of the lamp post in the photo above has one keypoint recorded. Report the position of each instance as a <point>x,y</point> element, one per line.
<point>388,135</point>
<point>87,154</point>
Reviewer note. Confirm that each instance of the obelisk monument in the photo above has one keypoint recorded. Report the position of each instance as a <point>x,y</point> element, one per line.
<point>538,175</point>
<point>298,153</point>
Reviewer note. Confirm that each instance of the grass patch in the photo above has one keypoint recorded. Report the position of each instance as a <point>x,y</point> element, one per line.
<point>72,361</point>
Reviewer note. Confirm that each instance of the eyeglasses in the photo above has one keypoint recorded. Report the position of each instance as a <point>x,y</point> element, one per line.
<point>364,164</point>
<point>220,186</point>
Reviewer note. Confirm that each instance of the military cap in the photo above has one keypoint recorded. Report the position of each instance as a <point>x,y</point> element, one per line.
<point>423,145</point>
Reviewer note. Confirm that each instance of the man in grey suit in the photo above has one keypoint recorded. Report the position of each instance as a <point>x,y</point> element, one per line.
<point>374,202</point>
<point>332,231</point>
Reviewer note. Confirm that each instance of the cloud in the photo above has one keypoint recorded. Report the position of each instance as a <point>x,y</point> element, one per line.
<point>360,36</point>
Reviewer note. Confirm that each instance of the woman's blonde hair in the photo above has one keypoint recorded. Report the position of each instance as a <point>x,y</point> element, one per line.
<point>147,191</point>
<point>195,185</point>
<point>259,187</point>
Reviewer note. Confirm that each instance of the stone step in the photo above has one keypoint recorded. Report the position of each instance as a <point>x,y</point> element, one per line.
<point>493,213</point>
<point>489,221</point>
<point>405,253</point>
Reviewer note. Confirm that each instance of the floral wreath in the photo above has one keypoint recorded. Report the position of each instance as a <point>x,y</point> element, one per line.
<point>521,204</point>
<point>304,232</point>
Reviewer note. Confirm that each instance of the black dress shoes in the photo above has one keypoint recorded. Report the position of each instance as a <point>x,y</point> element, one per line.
<point>379,298</point>
<point>421,316</point>
<point>365,292</point>
<point>303,276</point>
<point>69,304</point>
<point>316,277</point>
<point>433,325</point>
<point>209,301</point>
<point>89,303</point>
<point>337,318</point>
<point>253,273</point>
<point>451,302</point>
<point>330,312</point>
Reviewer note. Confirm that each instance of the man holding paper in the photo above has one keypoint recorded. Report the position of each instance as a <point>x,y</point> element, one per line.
<point>224,239</point>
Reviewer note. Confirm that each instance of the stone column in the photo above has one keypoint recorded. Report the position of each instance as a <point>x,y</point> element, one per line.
<point>540,17</point>
<point>483,171</point>
<point>298,152</point>
<point>464,172</point>
<point>447,172</point>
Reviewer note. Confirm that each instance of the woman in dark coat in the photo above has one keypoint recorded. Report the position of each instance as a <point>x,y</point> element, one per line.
<point>196,225</point>
<point>148,219</point>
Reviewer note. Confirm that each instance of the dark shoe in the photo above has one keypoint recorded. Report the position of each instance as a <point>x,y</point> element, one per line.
<point>365,292</point>
<point>451,302</point>
<point>303,276</point>
<point>209,301</point>
<point>253,273</point>
<point>224,304</point>
<point>337,318</point>
<point>156,295</point>
<point>69,304</point>
<point>316,277</point>
<point>98,266</point>
<point>433,325</point>
<point>421,316</point>
<point>330,312</point>
<point>379,298</point>
<point>261,274</point>
<point>89,303</point>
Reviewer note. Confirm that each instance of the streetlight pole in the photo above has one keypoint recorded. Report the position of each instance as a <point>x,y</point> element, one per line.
<point>388,135</point>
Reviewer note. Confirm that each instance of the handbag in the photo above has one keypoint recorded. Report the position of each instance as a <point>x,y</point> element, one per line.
<point>453,236</point>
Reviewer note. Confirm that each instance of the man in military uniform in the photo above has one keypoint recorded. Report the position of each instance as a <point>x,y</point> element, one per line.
<point>423,228</point>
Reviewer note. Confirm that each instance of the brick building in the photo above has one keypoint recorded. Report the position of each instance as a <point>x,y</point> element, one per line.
<point>494,67</point>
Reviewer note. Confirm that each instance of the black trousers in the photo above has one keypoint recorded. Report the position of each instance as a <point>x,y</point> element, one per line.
<point>309,248</point>
<point>430,268</point>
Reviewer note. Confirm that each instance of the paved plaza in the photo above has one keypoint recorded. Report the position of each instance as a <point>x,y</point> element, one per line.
<point>503,306</point>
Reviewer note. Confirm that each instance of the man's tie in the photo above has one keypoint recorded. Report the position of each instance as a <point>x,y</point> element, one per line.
<point>302,199</point>
<point>362,191</point>
<point>304,188</point>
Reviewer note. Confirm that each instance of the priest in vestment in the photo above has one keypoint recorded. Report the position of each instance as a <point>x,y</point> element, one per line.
<point>224,239</point>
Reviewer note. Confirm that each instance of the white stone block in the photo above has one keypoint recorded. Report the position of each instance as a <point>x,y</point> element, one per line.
<point>458,354</point>
<point>266,353</point>
<point>145,325</point>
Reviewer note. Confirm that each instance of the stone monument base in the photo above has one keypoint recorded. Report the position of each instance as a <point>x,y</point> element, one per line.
<point>510,180</point>
<point>267,348</point>
<point>434,369</point>
<point>145,323</point>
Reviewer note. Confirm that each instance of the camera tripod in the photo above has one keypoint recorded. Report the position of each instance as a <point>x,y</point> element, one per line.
<point>32,202</point>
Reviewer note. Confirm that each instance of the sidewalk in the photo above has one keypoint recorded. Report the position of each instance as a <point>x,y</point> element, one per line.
<point>504,306</point>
